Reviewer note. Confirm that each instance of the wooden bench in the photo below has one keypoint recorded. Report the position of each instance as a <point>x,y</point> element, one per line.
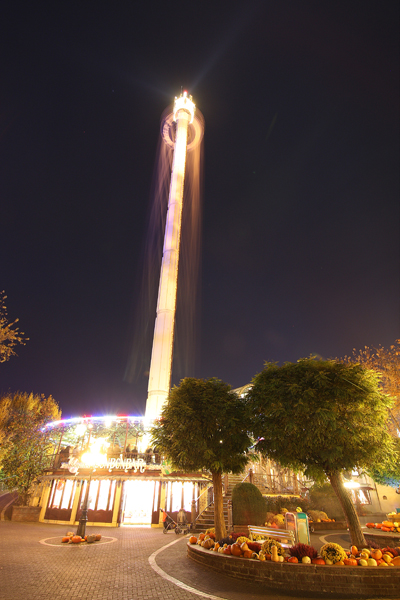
<point>277,534</point>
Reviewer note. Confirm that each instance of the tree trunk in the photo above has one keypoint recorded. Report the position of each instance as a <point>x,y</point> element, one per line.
<point>219,521</point>
<point>353,522</point>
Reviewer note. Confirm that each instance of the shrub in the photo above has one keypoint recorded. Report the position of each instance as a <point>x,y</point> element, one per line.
<point>300,550</point>
<point>249,507</point>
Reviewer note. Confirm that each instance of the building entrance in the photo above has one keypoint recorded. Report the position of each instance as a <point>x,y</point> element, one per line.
<point>139,498</point>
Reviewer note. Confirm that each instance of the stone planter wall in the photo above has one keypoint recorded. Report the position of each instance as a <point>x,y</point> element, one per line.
<point>25,513</point>
<point>326,581</point>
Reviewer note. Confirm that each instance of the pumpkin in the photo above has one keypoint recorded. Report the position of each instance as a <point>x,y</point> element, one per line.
<point>216,546</point>
<point>384,528</point>
<point>354,550</point>
<point>318,561</point>
<point>387,523</point>
<point>261,556</point>
<point>227,550</point>
<point>350,562</point>
<point>248,554</point>
<point>202,536</point>
<point>208,543</point>
<point>76,539</point>
<point>340,563</point>
<point>235,550</point>
<point>376,554</point>
<point>192,539</point>
<point>65,539</point>
<point>370,525</point>
<point>293,559</point>
<point>98,537</point>
<point>396,561</point>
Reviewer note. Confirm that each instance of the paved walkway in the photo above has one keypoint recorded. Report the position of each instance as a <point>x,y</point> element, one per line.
<point>136,564</point>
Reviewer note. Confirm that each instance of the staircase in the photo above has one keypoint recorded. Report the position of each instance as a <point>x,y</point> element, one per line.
<point>206,519</point>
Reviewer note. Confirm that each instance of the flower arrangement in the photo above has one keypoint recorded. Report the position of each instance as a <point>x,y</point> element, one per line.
<point>333,553</point>
<point>300,550</point>
<point>266,548</point>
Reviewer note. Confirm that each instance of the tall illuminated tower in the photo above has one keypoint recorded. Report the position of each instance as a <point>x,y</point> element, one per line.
<point>182,129</point>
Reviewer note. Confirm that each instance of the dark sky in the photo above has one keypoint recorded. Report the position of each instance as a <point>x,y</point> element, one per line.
<point>300,243</point>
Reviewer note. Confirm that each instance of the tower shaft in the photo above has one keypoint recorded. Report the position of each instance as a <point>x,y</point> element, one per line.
<point>161,357</point>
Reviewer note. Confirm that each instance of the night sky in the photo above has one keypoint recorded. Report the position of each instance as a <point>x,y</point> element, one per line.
<point>300,239</point>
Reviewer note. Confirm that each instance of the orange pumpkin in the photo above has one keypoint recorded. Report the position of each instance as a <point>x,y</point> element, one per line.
<point>396,561</point>
<point>339,564</point>
<point>227,550</point>
<point>376,554</point>
<point>370,525</point>
<point>65,539</point>
<point>76,539</point>
<point>384,528</point>
<point>293,559</point>
<point>318,561</point>
<point>235,550</point>
<point>350,562</point>
<point>247,554</point>
<point>98,537</point>
<point>202,536</point>
<point>193,539</point>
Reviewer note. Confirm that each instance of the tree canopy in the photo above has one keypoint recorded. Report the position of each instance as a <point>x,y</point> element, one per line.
<point>323,418</point>
<point>204,425</point>
<point>387,362</point>
<point>24,441</point>
<point>10,335</point>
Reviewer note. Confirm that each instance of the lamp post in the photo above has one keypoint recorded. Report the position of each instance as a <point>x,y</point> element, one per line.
<point>84,518</point>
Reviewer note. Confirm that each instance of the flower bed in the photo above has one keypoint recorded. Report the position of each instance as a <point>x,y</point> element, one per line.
<point>353,582</point>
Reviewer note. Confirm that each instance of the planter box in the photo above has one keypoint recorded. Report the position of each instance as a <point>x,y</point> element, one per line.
<point>25,513</point>
<point>328,526</point>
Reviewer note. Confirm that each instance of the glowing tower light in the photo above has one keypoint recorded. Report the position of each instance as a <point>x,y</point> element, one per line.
<point>183,137</point>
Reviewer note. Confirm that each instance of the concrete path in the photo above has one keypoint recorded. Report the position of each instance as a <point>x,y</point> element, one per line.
<point>128,564</point>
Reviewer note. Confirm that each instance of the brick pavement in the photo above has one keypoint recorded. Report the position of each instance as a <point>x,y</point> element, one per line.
<point>30,570</point>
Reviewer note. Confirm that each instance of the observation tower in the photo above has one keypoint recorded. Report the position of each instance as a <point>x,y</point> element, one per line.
<point>182,129</point>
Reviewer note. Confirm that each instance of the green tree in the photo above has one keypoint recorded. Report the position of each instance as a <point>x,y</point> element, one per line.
<point>25,444</point>
<point>323,418</point>
<point>10,335</point>
<point>204,426</point>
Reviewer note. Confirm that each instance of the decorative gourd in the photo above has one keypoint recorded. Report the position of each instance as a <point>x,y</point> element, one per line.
<point>372,562</point>
<point>387,558</point>
<point>376,554</point>
<point>294,560</point>
<point>65,539</point>
<point>227,550</point>
<point>98,537</point>
<point>363,562</point>
<point>317,561</point>
<point>70,534</point>
<point>202,536</point>
<point>193,539</point>
<point>340,563</point>
<point>216,546</point>
<point>261,556</point>
<point>396,561</point>
<point>354,550</point>
<point>209,543</point>
<point>76,539</point>
<point>235,550</point>
<point>274,554</point>
<point>91,538</point>
<point>306,560</point>
<point>350,562</point>
<point>387,524</point>
<point>247,554</point>
<point>370,525</point>
<point>244,547</point>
